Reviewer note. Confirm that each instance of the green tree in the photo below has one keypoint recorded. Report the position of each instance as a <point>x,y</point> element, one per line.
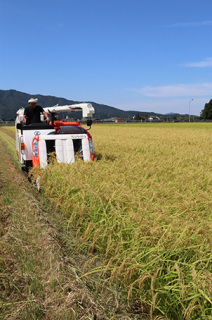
<point>137,117</point>
<point>181,118</point>
<point>206,113</point>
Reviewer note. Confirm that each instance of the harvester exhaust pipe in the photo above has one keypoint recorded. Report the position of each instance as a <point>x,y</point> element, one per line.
<point>89,123</point>
<point>52,117</point>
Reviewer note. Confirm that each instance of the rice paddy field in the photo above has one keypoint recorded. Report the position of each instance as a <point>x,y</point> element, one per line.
<point>144,208</point>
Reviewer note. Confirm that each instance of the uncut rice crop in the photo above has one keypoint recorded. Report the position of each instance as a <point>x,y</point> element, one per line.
<point>144,206</point>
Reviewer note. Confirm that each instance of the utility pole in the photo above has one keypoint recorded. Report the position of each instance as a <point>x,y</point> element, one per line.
<point>189,109</point>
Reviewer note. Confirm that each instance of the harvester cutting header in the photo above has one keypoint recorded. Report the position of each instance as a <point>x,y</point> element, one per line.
<point>39,134</point>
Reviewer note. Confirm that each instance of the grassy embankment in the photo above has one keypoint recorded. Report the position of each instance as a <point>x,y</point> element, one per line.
<point>144,207</point>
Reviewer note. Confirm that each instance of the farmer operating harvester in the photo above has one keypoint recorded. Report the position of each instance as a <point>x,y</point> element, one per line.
<point>33,112</point>
<point>37,138</point>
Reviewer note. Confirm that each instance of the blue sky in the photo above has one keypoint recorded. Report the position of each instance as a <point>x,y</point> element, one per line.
<point>147,55</point>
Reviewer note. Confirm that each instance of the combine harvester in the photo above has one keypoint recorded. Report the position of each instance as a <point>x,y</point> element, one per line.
<point>37,141</point>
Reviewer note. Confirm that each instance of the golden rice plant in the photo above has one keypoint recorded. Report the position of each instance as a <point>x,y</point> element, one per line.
<point>144,206</point>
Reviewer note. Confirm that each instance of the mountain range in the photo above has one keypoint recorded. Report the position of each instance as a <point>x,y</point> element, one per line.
<point>12,100</point>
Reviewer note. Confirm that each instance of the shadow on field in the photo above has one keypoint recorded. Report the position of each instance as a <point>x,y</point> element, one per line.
<point>99,156</point>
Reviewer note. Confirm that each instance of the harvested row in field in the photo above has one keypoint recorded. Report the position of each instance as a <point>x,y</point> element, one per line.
<point>9,131</point>
<point>144,206</point>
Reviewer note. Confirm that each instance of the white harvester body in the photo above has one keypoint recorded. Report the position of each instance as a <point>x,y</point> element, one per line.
<point>36,142</point>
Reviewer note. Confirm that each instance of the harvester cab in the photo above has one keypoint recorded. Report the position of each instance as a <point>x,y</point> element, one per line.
<point>66,140</point>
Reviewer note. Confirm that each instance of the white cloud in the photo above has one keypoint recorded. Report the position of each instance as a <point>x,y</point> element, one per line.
<point>179,90</point>
<point>192,24</point>
<point>207,62</point>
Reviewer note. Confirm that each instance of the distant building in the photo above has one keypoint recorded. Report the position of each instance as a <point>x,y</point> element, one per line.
<point>108,120</point>
<point>154,119</point>
<point>119,120</point>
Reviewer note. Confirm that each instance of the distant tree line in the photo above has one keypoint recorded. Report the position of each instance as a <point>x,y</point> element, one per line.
<point>139,117</point>
<point>206,113</point>
<point>168,118</point>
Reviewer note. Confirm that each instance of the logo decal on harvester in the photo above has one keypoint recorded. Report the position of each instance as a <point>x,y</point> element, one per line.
<point>37,133</point>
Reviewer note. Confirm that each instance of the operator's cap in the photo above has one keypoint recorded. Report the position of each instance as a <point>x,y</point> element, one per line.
<point>33,100</point>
